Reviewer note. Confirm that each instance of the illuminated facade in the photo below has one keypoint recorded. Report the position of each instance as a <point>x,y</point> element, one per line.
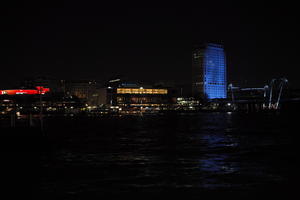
<point>38,90</point>
<point>129,96</point>
<point>136,97</point>
<point>209,72</point>
<point>141,91</point>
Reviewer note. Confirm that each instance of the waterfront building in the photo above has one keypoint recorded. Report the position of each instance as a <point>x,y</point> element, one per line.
<point>209,72</point>
<point>36,91</point>
<point>56,86</point>
<point>131,96</point>
<point>86,90</point>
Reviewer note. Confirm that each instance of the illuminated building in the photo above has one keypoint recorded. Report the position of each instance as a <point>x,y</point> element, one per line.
<point>128,96</point>
<point>38,90</point>
<point>56,86</point>
<point>133,97</point>
<point>189,103</point>
<point>209,72</point>
<point>141,91</point>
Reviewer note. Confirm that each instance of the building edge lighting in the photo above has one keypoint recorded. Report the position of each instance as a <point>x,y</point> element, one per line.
<point>38,90</point>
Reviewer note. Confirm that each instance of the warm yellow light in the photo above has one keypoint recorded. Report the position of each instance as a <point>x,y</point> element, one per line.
<point>141,91</point>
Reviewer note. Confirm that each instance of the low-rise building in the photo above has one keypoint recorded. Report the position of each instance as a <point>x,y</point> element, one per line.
<point>128,96</point>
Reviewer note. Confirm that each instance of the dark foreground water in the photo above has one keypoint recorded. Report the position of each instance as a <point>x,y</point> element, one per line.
<point>178,155</point>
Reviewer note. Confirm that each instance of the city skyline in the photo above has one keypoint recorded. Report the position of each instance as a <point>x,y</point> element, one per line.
<point>149,100</point>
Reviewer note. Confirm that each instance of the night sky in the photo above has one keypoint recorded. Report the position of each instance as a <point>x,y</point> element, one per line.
<point>88,40</point>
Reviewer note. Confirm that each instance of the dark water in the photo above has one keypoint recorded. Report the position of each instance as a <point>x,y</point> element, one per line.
<point>186,155</point>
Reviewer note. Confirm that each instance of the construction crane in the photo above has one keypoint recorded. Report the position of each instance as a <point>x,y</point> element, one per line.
<point>282,82</point>
<point>271,92</point>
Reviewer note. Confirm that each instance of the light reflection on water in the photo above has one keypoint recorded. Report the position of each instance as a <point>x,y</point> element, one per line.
<point>217,164</point>
<point>208,150</point>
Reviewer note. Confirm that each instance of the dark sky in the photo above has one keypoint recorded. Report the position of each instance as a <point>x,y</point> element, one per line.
<point>92,40</point>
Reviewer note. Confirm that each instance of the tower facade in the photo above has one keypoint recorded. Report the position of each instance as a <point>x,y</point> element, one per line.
<point>209,72</point>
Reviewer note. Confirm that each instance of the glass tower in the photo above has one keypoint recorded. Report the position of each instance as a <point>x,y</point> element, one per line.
<point>209,75</point>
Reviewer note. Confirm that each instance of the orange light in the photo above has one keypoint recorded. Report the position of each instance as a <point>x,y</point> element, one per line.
<point>141,91</point>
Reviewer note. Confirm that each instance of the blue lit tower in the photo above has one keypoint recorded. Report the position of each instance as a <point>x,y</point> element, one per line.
<point>209,72</point>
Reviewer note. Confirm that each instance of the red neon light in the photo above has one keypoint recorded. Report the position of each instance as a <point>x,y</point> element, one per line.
<point>39,90</point>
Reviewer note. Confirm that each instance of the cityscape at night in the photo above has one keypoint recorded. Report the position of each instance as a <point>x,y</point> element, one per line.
<point>112,101</point>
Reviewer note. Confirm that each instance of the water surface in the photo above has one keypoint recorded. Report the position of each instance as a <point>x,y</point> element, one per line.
<point>171,154</point>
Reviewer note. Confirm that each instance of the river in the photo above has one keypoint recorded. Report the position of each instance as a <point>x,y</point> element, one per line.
<point>173,154</point>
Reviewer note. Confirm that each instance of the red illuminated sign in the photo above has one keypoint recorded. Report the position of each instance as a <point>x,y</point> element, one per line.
<point>39,90</point>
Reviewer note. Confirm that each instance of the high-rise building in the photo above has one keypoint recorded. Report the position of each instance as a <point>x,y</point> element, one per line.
<point>209,72</point>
